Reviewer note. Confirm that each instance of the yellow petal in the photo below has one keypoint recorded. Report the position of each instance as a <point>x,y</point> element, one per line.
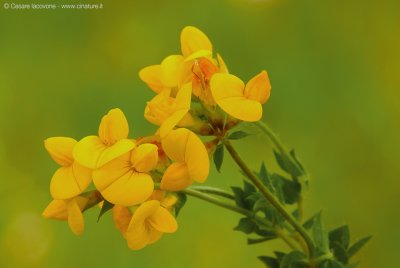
<point>122,216</point>
<point>174,144</point>
<point>198,54</point>
<point>242,108</point>
<point>169,201</point>
<point>154,236</point>
<point>60,149</point>
<point>113,127</point>
<point>110,172</point>
<point>144,158</point>
<point>258,88</point>
<point>139,234</point>
<point>130,189</point>
<point>151,75</point>
<point>193,40</point>
<point>159,108</point>
<point>183,97</point>
<point>92,153</point>
<point>75,217</point>
<point>171,70</point>
<point>226,86</point>
<point>163,221</point>
<point>57,209</point>
<point>196,158</point>
<point>222,65</point>
<point>171,122</point>
<point>176,177</point>
<point>68,182</point>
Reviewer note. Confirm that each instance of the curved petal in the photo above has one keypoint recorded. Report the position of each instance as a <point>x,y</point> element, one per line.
<point>57,209</point>
<point>122,217</point>
<point>258,88</point>
<point>144,158</point>
<point>171,122</point>
<point>171,70</point>
<point>176,177</point>
<point>196,158</point>
<point>151,75</point>
<point>113,127</point>
<point>110,172</point>
<point>184,97</point>
<point>193,40</point>
<point>130,189</point>
<point>242,108</point>
<point>154,236</point>
<point>68,182</point>
<point>60,149</point>
<point>174,144</point>
<point>119,148</point>
<point>88,150</point>
<point>138,236</point>
<point>75,217</point>
<point>222,65</point>
<point>159,108</point>
<point>226,86</point>
<point>203,53</point>
<point>163,221</point>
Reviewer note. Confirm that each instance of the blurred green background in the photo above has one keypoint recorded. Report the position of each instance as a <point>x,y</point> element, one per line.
<point>334,67</point>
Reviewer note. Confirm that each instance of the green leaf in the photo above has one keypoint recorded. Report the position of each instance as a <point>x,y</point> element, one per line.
<point>294,259</point>
<point>288,166</point>
<point>248,188</point>
<point>106,207</point>
<point>270,262</point>
<point>358,245</point>
<point>219,156</point>
<point>237,135</point>
<point>245,225</point>
<point>287,191</point>
<point>320,236</point>
<point>340,253</point>
<point>252,241</point>
<point>330,264</point>
<point>308,224</point>
<point>293,154</point>
<point>340,235</point>
<point>264,176</point>
<point>180,203</point>
<point>279,255</point>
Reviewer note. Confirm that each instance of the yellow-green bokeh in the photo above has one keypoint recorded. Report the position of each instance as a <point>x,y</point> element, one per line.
<point>334,67</point>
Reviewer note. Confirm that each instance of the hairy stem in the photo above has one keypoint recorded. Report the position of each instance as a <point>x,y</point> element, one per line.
<point>271,198</point>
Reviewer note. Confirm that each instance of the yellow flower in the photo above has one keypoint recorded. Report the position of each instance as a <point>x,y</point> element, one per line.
<point>176,70</point>
<point>125,180</point>
<point>95,151</point>
<point>68,210</point>
<point>203,71</point>
<point>191,160</point>
<point>195,44</point>
<point>147,224</point>
<point>71,178</point>
<point>170,74</point>
<point>167,112</point>
<point>241,101</point>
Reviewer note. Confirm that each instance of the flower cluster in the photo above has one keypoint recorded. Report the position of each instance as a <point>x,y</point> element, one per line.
<point>139,178</point>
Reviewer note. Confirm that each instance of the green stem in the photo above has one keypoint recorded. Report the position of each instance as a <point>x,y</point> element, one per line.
<point>270,197</point>
<point>195,193</point>
<point>279,145</point>
<point>287,157</point>
<point>214,191</point>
